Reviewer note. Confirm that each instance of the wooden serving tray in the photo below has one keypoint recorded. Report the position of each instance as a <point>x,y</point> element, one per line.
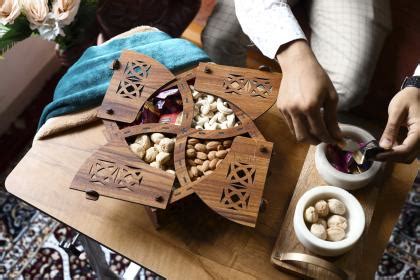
<point>235,188</point>
<point>290,255</point>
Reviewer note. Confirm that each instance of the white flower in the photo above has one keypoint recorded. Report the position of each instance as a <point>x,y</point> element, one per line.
<point>36,11</point>
<point>65,10</point>
<point>9,11</point>
<point>50,28</point>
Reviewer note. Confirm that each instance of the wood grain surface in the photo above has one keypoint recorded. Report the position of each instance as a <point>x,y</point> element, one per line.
<point>196,243</point>
<point>287,241</point>
<point>136,77</point>
<point>253,91</point>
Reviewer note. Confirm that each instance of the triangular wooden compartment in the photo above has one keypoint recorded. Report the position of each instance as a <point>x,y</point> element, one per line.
<point>232,180</point>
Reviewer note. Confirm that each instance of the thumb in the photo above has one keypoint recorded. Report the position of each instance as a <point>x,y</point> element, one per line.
<point>389,136</point>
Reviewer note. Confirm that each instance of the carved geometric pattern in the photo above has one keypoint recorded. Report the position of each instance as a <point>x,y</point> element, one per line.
<point>234,198</point>
<point>241,174</point>
<point>108,173</point>
<point>241,177</point>
<point>238,84</point>
<point>132,83</point>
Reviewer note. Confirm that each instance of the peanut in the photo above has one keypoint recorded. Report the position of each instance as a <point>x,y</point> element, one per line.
<point>198,161</point>
<point>221,154</point>
<point>191,162</point>
<point>193,141</point>
<point>191,153</point>
<point>227,143</point>
<point>190,146</point>
<point>194,171</point>
<point>220,147</point>
<point>205,166</point>
<point>212,145</point>
<point>212,164</point>
<point>201,155</point>
<point>211,155</point>
<point>200,147</point>
<point>208,172</point>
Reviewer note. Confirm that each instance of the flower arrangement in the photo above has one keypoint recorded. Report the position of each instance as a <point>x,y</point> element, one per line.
<point>61,21</point>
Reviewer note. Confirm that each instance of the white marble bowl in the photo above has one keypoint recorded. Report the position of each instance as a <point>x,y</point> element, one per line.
<point>340,179</point>
<point>354,214</point>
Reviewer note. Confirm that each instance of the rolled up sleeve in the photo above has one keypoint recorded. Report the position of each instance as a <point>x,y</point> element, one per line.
<point>268,23</point>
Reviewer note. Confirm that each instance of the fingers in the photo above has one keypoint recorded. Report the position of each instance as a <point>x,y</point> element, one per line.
<point>396,116</point>
<point>330,116</point>
<point>318,127</point>
<point>302,131</point>
<point>288,121</point>
<point>406,152</point>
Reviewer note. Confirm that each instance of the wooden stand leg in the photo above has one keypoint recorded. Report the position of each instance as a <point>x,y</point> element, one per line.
<point>152,213</point>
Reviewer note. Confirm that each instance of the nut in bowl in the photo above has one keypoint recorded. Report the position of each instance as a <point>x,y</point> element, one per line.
<point>329,232</point>
<point>331,172</point>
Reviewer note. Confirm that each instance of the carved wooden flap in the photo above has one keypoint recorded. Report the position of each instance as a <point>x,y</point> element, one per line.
<point>253,91</point>
<point>235,189</point>
<point>114,171</point>
<point>135,79</point>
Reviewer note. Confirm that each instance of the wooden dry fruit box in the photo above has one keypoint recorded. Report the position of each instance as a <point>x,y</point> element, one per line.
<point>234,188</point>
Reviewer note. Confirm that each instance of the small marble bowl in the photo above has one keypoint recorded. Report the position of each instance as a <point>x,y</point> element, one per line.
<point>354,214</point>
<point>340,179</point>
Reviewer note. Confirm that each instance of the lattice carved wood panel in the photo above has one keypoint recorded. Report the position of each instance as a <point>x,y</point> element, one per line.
<point>137,78</point>
<point>253,91</point>
<point>235,189</point>
<point>114,171</point>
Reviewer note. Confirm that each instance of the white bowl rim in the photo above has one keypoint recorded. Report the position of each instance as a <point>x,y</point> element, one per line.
<point>366,136</point>
<point>325,244</point>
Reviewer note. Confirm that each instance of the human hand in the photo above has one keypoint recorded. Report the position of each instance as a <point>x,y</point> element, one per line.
<point>403,110</point>
<point>304,90</point>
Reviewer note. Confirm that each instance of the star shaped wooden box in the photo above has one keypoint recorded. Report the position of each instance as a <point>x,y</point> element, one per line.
<point>234,188</point>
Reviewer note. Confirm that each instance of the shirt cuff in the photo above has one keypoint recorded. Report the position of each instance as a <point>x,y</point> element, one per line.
<point>417,71</point>
<point>269,24</point>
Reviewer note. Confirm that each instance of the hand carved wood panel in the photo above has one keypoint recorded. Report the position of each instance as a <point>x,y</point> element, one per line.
<point>114,171</point>
<point>235,189</point>
<point>253,91</point>
<point>135,79</point>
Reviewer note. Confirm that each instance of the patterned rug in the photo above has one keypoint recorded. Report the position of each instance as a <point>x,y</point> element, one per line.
<point>29,247</point>
<point>401,259</point>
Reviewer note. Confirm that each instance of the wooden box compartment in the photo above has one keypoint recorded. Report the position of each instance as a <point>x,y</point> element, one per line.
<point>234,189</point>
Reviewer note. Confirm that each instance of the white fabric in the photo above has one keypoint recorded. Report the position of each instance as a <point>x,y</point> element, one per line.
<point>417,71</point>
<point>346,37</point>
<point>268,23</point>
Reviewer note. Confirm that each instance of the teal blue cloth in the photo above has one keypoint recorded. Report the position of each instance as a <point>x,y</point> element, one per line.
<point>85,83</point>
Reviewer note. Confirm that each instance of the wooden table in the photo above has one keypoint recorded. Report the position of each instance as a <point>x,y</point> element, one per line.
<point>198,244</point>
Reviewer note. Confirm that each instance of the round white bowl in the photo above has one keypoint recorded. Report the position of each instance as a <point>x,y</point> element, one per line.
<point>340,179</point>
<point>354,214</point>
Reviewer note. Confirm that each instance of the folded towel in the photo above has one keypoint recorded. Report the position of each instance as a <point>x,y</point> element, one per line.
<point>85,83</point>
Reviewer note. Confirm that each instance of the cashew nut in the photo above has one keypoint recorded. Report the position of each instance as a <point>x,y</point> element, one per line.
<point>208,126</point>
<point>166,145</point>
<point>163,158</point>
<point>156,137</point>
<point>151,154</point>
<point>230,120</point>
<point>221,117</point>
<point>221,107</point>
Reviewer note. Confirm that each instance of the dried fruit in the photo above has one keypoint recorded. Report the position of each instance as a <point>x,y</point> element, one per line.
<point>336,206</point>
<point>311,216</point>
<point>321,208</point>
<point>335,234</point>
<point>319,231</point>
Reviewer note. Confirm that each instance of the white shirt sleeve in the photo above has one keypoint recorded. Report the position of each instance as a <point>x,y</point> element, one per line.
<point>268,23</point>
<point>417,71</point>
